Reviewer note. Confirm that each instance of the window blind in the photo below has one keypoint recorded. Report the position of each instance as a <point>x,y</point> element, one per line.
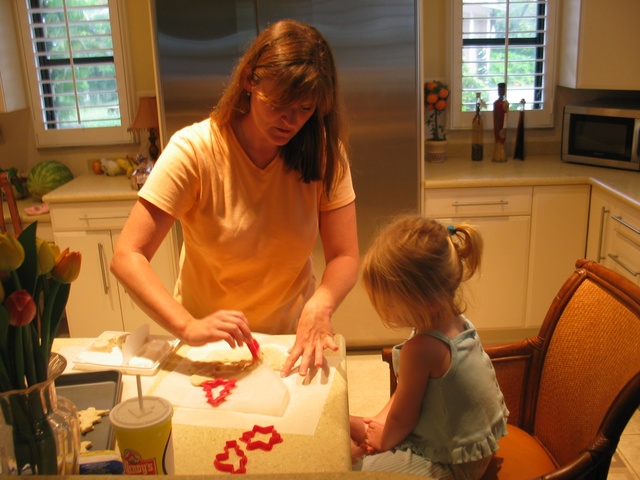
<point>504,41</point>
<point>73,53</point>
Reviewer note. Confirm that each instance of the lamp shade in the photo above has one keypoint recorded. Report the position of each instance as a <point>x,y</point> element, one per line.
<point>147,116</point>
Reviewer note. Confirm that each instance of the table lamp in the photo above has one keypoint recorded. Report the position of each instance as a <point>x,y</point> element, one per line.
<point>147,119</point>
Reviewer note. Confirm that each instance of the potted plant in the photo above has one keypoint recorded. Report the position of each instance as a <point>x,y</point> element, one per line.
<point>35,278</point>
<point>436,101</point>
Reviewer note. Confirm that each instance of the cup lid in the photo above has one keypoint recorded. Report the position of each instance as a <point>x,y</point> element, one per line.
<point>129,415</point>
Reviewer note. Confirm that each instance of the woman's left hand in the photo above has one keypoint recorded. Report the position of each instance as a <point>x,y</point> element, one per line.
<point>313,335</point>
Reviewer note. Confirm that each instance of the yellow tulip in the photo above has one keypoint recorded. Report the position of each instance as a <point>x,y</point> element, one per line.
<point>11,252</point>
<point>67,266</point>
<point>46,255</point>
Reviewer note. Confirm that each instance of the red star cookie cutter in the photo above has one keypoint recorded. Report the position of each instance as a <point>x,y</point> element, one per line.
<point>254,348</point>
<point>226,384</point>
<point>221,459</point>
<point>252,444</point>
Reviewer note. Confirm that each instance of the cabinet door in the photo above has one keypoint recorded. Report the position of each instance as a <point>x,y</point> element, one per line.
<point>94,301</point>
<point>558,238</point>
<point>594,45</point>
<point>165,265</point>
<point>496,297</point>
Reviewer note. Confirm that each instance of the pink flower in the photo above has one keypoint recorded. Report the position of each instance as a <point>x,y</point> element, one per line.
<point>21,308</point>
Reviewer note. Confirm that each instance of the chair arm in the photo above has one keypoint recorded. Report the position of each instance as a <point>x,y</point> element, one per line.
<point>512,363</point>
<point>386,356</point>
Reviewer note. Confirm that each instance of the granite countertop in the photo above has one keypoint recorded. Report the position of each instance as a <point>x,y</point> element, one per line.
<point>93,188</point>
<point>319,455</point>
<point>536,170</point>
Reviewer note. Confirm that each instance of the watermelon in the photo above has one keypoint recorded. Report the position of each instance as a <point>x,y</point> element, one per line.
<point>47,176</point>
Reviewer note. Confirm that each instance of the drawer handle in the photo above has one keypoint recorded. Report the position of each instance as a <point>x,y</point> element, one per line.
<point>106,217</point>
<point>623,265</point>
<point>105,281</point>
<point>478,204</point>
<point>628,225</point>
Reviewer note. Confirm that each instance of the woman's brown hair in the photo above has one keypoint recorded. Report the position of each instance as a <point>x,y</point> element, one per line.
<point>300,61</point>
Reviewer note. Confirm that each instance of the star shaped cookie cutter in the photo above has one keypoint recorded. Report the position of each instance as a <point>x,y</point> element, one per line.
<point>252,444</point>
<point>224,456</point>
<point>227,385</point>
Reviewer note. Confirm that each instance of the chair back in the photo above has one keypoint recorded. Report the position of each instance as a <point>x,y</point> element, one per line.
<point>10,198</point>
<point>585,381</point>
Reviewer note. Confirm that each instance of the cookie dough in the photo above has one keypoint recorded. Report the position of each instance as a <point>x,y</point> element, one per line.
<point>89,417</point>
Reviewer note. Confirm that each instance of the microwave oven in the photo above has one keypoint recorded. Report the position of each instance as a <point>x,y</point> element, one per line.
<point>602,133</point>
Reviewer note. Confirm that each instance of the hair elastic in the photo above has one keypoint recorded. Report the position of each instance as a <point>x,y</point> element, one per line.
<point>452,230</point>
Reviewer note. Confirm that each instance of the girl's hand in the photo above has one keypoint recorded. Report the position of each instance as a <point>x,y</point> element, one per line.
<point>374,432</point>
<point>228,325</point>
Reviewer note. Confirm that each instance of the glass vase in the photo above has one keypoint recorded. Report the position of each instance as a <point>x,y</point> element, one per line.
<point>39,431</point>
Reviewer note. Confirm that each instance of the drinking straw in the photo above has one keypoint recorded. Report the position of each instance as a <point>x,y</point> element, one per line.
<point>139,383</point>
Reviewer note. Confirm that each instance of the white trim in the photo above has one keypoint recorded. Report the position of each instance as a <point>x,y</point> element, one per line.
<point>544,118</point>
<point>81,136</point>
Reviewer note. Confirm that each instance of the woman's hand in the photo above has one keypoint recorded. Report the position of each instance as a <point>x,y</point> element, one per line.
<point>228,325</point>
<point>313,335</point>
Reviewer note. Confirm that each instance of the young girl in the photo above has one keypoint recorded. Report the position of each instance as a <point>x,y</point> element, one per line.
<point>447,413</point>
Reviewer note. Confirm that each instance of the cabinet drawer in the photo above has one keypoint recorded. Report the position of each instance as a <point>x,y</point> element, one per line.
<point>626,223</point>
<point>67,217</point>
<point>475,202</point>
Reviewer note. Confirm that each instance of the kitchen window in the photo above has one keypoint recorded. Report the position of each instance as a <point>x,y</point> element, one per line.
<point>75,71</point>
<point>511,41</point>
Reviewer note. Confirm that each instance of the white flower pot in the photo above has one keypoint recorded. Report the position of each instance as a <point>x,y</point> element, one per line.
<point>435,151</point>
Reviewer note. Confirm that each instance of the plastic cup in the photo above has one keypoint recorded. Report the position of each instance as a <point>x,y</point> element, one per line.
<point>143,434</point>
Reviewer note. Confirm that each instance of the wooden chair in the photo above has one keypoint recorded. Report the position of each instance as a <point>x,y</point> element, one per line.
<point>9,196</point>
<point>571,389</point>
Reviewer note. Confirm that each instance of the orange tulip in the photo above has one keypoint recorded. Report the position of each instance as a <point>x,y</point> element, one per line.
<point>21,308</point>
<point>67,266</point>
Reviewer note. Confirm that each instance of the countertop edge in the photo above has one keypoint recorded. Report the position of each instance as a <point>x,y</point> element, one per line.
<point>538,171</point>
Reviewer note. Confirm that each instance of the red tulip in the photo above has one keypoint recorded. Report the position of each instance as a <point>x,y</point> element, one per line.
<point>21,308</point>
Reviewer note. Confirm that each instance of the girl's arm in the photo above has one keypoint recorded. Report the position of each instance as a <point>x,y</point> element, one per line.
<point>419,357</point>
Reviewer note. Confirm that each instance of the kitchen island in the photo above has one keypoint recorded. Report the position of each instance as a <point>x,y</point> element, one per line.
<point>324,448</point>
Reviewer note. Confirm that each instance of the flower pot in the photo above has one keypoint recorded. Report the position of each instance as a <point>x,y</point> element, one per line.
<point>39,431</point>
<point>435,151</point>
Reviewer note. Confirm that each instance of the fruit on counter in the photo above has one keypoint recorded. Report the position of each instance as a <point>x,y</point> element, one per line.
<point>127,165</point>
<point>96,166</point>
<point>46,176</point>
<point>111,167</point>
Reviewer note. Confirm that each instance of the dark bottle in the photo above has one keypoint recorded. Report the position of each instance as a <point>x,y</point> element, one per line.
<point>500,117</point>
<point>477,128</point>
<point>518,152</point>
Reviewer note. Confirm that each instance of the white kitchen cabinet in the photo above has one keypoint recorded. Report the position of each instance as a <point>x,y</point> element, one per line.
<point>496,297</point>
<point>559,221</point>
<point>614,235</point>
<point>12,96</point>
<point>595,50</point>
<point>532,238</point>
<point>97,301</point>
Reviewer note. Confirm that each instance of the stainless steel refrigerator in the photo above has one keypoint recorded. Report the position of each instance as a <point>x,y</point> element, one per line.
<point>377,49</point>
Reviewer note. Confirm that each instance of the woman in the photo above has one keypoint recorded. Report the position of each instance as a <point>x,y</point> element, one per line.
<point>252,187</point>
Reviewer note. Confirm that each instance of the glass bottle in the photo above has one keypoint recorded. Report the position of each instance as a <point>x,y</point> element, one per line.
<point>500,117</point>
<point>477,127</point>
